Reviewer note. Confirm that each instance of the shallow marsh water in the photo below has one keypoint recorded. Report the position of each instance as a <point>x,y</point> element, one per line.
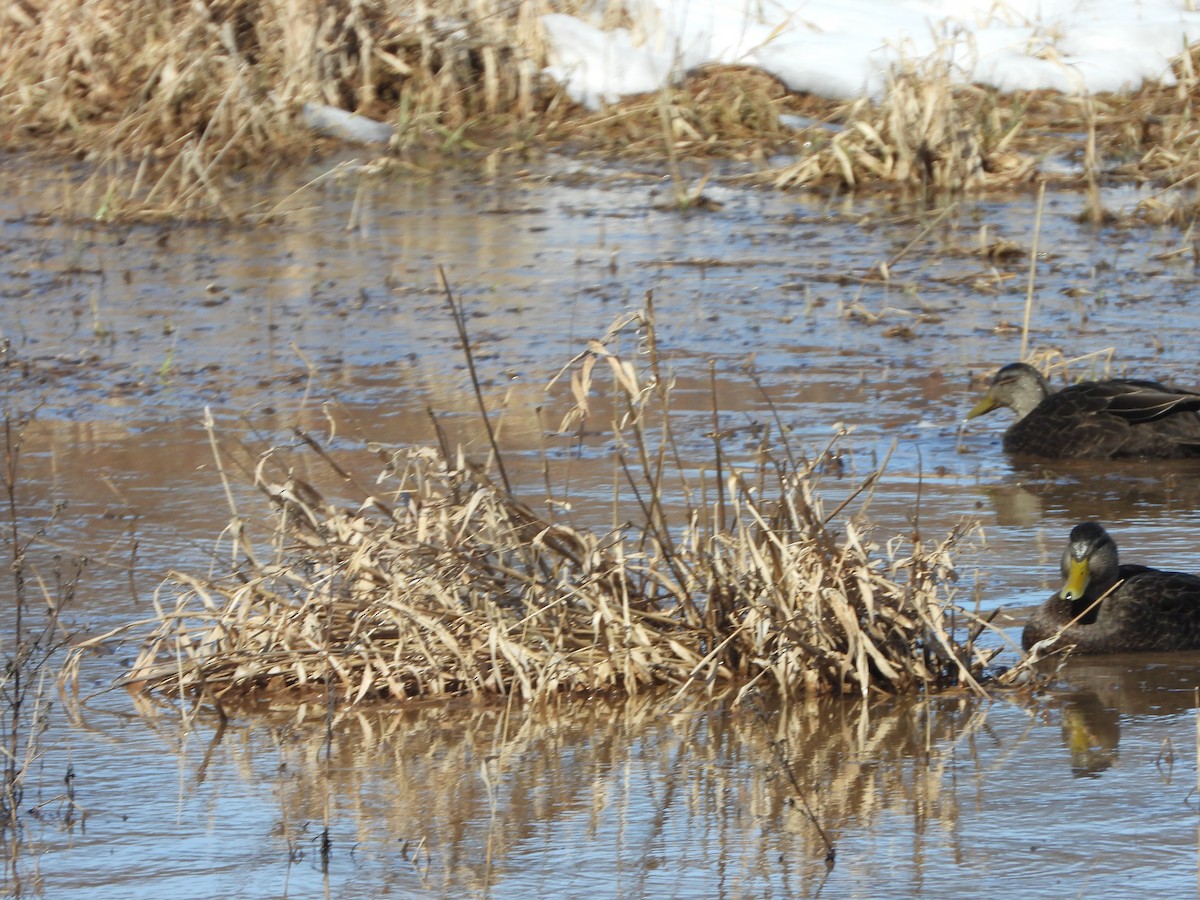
<point>123,335</point>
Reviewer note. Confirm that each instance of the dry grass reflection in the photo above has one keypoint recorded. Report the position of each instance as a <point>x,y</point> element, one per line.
<point>470,797</point>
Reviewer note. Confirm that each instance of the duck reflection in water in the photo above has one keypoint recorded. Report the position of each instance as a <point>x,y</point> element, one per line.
<point>1098,694</point>
<point>1086,489</point>
<point>1091,732</point>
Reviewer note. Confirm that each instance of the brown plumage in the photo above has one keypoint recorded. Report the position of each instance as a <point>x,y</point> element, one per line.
<point>1145,609</point>
<point>1094,419</point>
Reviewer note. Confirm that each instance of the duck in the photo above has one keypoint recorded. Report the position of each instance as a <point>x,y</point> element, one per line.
<point>1120,608</point>
<point>1119,418</point>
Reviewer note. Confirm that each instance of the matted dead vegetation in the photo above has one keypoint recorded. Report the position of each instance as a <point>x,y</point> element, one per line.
<point>439,581</point>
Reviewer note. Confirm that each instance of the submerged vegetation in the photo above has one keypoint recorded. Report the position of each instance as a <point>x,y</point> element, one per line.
<point>167,101</point>
<point>439,581</point>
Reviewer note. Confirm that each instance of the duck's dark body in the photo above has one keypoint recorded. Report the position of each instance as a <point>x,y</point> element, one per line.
<point>1094,419</point>
<point>1145,609</point>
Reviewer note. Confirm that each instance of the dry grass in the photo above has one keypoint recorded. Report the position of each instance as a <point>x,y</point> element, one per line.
<point>169,103</point>
<point>718,112</point>
<point>438,581</point>
<point>928,130</point>
<point>931,130</point>
<point>165,100</point>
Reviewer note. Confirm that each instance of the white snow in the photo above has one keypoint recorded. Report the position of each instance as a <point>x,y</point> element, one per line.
<point>843,48</point>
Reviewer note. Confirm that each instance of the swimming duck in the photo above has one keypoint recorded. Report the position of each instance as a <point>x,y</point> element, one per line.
<point>1145,609</point>
<point>1093,419</point>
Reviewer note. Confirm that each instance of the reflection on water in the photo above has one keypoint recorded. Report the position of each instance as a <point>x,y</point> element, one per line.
<point>1093,490</point>
<point>1096,694</point>
<point>553,801</point>
<point>1091,731</point>
<point>646,799</point>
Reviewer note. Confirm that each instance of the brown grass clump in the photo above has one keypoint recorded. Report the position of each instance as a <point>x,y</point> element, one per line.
<point>927,130</point>
<point>440,582</point>
<point>167,98</point>
<point>717,112</point>
<point>1151,135</point>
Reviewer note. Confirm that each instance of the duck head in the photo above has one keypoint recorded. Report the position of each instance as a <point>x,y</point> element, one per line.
<point>1089,563</point>
<point>1018,386</point>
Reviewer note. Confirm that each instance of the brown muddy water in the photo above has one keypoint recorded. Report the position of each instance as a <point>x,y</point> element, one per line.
<point>121,337</point>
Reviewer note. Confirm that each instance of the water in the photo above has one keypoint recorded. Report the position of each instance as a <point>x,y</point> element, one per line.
<point>122,337</point>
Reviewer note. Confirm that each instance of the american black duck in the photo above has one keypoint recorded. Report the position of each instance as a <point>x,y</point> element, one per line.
<point>1093,419</point>
<point>1147,609</point>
